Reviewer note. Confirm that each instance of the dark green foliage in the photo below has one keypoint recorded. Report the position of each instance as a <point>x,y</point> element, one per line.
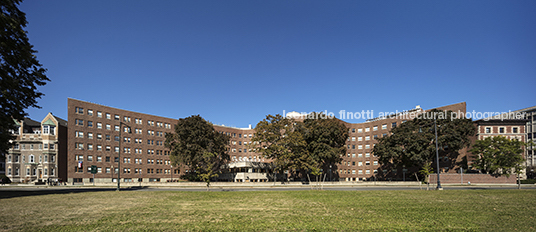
<point>276,138</point>
<point>20,71</point>
<point>325,138</point>
<point>300,147</point>
<point>498,155</point>
<point>197,144</point>
<point>412,144</point>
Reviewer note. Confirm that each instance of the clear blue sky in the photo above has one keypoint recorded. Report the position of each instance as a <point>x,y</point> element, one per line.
<point>233,62</point>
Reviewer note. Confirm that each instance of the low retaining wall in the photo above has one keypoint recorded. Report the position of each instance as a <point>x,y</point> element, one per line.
<point>473,178</point>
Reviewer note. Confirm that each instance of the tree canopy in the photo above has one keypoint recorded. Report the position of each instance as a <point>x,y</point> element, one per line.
<point>325,138</point>
<point>195,143</point>
<point>301,146</point>
<point>276,137</point>
<point>498,155</point>
<point>412,144</point>
<point>20,71</point>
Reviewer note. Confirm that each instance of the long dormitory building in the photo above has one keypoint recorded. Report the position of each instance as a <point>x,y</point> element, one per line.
<point>98,134</point>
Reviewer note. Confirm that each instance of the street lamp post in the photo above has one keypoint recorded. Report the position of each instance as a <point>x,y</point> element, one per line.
<point>437,157</point>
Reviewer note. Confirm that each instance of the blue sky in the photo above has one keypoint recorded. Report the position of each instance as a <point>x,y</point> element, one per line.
<point>233,62</point>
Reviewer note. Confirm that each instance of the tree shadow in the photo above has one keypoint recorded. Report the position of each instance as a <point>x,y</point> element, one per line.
<point>7,193</point>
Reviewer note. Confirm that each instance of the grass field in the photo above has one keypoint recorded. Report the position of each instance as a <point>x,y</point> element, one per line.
<point>451,210</point>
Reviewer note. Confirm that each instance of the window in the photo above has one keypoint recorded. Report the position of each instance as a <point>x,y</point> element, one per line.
<point>359,138</point>
<point>367,129</point>
<point>99,147</point>
<point>353,138</point>
<point>116,128</point>
<point>384,126</point>
<point>367,138</point>
<point>501,130</point>
<point>99,136</point>
<point>367,154</point>
<point>108,116</point>
<point>360,147</point>
<point>90,146</point>
<point>488,130</point>
<point>79,134</point>
<point>360,130</point>
<point>367,146</point>
<point>99,125</point>
<point>393,125</point>
<point>375,128</point>
<point>79,122</point>
<point>515,130</point>
<point>116,117</point>
<point>375,162</point>
<point>99,158</point>
<point>99,114</point>
<point>89,123</point>
<point>90,112</point>
<point>79,110</point>
<point>108,127</point>
<point>89,158</point>
<point>353,130</point>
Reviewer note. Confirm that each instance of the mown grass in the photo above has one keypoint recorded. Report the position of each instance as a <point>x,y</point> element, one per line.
<point>450,210</point>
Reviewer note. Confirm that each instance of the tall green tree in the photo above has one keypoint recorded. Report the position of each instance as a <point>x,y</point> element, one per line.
<point>325,138</point>
<point>20,71</point>
<point>498,155</point>
<point>196,144</point>
<point>277,138</point>
<point>412,144</point>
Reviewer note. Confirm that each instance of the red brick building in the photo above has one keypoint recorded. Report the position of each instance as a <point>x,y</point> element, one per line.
<point>98,133</point>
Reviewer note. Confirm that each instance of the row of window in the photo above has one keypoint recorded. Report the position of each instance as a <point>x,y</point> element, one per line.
<point>125,170</point>
<point>234,150</point>
<point>126,160</point>
<point>353,163</point>
<point>30,172</point>
<point>80,110</point>
<point>367,138</point>
<point>31,158</point>
<point>353,171</point>
<point>234,135</point>
<point>252,159</point>
<point>374,128</point>
<point>17,146</point>
<point>90,147</point>
<point>367,146</point>
<point>360,155</point>
<point>502,130</point>
<point>47,130</point>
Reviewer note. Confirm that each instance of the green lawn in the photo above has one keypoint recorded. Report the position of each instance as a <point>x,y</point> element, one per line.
<point>474,210</point>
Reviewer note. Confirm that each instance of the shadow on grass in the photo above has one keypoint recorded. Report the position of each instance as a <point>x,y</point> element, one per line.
<point>6,193</point>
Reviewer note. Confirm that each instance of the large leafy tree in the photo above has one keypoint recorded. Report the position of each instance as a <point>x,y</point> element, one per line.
<point>498,155</point>
<point>195,143</point>
<point>412,144</point>
<point>277,138</point>
<point>20,71</point>
<point>325,138</point>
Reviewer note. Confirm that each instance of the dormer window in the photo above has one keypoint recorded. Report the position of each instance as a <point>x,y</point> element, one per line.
<point>49,130</point>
